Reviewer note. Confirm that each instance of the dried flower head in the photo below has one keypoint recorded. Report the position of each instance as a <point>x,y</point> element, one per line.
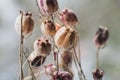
<point>27,24</point>
<point>36,59</point>
<point>48,7</point>
<point>68,18</point>
<point>101,36</point>
<point>65,38</point>
<point>65,59</point>
<point>48,27</point>
<point>98,74</point>
<point>50,69</point>
<point>62,75</point>
<point>42,46</point>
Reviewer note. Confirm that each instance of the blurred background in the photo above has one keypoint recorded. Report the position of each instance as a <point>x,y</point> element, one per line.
<point>91,14</point>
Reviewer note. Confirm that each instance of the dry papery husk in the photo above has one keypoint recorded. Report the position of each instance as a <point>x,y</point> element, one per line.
<point>49,28</point>
<point>27,24</point>
<point>48,7</point>
<point>42,46</point>
<point>66,38</point>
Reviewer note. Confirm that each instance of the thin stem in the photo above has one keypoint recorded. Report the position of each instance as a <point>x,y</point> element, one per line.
<point>21,49</point>
<point>57,61</point>
<point>29,66</point>
<point>38,7</point>
<point>97,58</point>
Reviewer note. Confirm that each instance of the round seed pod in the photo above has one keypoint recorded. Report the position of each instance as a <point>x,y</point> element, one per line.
<point>68,18</point>
<point>27,24</point>
<point>36,59</point>
<point>101,36</point>
<point>50,69</point>
<point>42,46</point>
<point>62,75</point>
<point>65,38</point>
<point>48,7</point>
<point>65,59</point>
<point>48,27</point>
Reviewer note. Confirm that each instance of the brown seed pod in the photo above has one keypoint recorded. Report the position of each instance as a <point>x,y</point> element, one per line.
<point>68,18</point>
<point>62,75</point>
<point>48,27</point>
<point>27,24</point>
<point>65,38</point>
<point>48,7</point>
<point>42,46</point>
<point>101,36</point>
<point>50,69</point>
<point>98,74</point>
<point>65,59</point>
<point>36,59</point>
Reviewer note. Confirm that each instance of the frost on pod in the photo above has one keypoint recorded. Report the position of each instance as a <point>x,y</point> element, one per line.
<point>27,24</point>
<point>48,27</point>
<point>62,75</point>
<point>65,59</point>
<point>68,18</point>
<point>65,38</point>
<point>50,69</point>
<point>48,7</point>
<point>42,46</point>
<point>101,36</point>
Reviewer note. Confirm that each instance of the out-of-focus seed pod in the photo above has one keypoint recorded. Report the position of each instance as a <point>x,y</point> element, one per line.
<point>101,36</point>
<point>65,59</point>
<point>36,59</point>
<point>62,75</point>
<point>50,69</point>
<point>68,18</point>
<point>27,24</point>
<point>42,46</point>
<point>65,38</point>
<point>48,27</point>
<point>98,74</point>
<point>48,7</point>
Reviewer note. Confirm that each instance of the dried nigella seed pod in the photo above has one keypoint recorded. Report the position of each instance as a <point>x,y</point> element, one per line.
<point>42,46</point>
<point>98,74</point>
<point>36,59</point>
<point>65,38</point>
<point>48,7</point>
<point>65,59</point>
<point>101,36</point>
<point>68,18</point>
<point>62,75</point>
<point>50,69</point>
<point>48,27</point>
<point>27,24</point>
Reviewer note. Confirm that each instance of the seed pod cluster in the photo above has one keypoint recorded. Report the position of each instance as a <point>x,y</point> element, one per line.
<point>49,27</point>
<point>27,23</point>
<point>65,38</point>
<point>42,49</point>
<point>48,7</point>
<point>101,36</point>
<point>68,18</point>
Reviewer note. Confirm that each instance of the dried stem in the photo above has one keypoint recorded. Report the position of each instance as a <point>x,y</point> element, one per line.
<point>97,58</point>
<point>21,49</point>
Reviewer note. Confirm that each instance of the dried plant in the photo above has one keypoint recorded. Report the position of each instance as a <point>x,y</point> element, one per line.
<point>58,40</point>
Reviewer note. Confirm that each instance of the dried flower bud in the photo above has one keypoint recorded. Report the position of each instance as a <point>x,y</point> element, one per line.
<point>36,60</point>
<point>48,7</point>
<point>101,36</point>
<point>48,27</point>
<point>62,75</point>
<point>50,69</point>
<point>65,59</point>
<point>98,74</point>
<point>68,18</point>
<point>42,46</point>
<point>65,38</point>
<point>27,24</point>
